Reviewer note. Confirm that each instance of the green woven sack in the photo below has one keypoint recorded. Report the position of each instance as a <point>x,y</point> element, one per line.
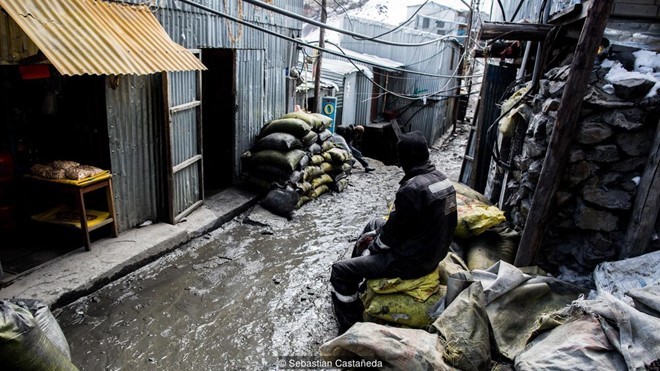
<point>311,120</point>
<point>296,127</point>
<point>288,160</point>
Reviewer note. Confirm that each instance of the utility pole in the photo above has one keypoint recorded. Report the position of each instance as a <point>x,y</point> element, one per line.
<point>317,74</point>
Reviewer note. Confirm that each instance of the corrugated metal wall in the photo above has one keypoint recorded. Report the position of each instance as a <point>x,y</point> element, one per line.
<point>194,28</point>
<point>249,73</point>
<point>434,58</point>
<point>363,90</point>
<point>529,10</point>
<point>133,111</point>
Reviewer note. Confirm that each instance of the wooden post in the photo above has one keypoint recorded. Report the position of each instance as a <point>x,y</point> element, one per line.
<point>645,209</point>
<point>564,131</point>
<point>317,74</point>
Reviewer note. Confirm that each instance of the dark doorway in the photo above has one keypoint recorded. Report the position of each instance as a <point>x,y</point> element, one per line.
<point>43,119</point>
<point>218,118</point>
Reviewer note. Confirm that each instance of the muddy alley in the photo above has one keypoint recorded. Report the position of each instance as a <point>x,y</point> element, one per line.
<point>241,296</point>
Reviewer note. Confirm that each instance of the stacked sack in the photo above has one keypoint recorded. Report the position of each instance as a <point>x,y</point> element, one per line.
<point>295,159</point>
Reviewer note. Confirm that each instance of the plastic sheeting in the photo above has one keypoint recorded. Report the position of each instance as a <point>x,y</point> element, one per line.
<point>534,322</point>
<point>398,348</point>
<point>621,276</point>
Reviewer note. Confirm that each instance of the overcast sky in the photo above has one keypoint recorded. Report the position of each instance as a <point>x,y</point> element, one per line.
<point>397,9</point>
<point>395,15</point>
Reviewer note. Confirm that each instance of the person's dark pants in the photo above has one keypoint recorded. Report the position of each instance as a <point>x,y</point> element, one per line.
<point>347,275</point>
<point>358,156</point>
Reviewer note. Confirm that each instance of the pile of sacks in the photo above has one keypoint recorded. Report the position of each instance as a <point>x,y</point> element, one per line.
<point>295,160</point>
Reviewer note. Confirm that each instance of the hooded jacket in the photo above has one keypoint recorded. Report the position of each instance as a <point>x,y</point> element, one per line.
<point>420,229</point>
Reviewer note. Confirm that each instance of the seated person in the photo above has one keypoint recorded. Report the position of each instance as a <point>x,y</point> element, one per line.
<point>413,240</point>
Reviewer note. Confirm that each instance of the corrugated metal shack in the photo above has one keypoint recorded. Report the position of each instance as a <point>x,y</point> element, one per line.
<point>348,82</point>
<point>167,137</point>
<point>420,102</point>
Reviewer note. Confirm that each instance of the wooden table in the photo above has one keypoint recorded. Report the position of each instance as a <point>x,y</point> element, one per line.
<point>78,189</point>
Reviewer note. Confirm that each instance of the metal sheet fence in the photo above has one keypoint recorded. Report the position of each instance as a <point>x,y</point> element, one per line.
<point>133,131</point>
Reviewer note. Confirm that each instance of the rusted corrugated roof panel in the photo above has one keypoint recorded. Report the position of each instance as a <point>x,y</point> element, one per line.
<point>99,38</point>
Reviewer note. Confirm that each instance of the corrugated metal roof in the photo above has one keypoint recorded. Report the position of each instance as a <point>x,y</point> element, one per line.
<point>343,68</point>
<point>375,60</point>
<point>99,38</point>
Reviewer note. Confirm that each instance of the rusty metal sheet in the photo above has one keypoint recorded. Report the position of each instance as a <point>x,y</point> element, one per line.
<point>95,37</point>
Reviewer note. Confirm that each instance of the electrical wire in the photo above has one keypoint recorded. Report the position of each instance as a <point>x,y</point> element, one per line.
<point>326,26</point>
<point>343,54</point>
<point>403,96</point>
<point>543,5</point>
<point>345,14</point>
<point>300,42</point>
<point>499,2</point>
<point>515,13</point>
<point>350,58</point>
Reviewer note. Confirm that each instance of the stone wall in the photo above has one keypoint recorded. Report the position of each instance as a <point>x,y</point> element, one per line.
<point>600,180</point>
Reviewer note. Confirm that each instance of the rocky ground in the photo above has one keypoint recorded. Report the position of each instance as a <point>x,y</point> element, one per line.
<point>243,295</point>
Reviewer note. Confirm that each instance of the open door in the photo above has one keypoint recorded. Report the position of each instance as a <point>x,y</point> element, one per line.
<point>183,142</point>
<point>250,80</point>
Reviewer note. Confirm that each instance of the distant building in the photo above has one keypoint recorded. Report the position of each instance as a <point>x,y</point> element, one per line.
<point>438,19</point>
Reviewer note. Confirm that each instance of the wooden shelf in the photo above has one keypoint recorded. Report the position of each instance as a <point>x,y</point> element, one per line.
<point>78,190</point>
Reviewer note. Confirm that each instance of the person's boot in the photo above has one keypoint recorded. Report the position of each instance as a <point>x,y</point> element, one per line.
<point>347,314</point>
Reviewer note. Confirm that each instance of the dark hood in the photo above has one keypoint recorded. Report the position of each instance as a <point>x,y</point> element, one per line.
<point>413,150</point>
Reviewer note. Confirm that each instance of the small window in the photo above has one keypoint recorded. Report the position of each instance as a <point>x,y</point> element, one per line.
<point>425,22</point>
<point>439,24</point>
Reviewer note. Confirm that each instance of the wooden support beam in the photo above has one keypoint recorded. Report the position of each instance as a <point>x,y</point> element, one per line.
<point>564,132</point>
<point>645,209</point>
<point>514,31</point>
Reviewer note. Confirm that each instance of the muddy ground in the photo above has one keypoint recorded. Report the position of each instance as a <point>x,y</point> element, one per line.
<point>241,296</point>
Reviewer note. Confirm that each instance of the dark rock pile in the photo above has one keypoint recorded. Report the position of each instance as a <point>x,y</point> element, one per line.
<point>594,202</point>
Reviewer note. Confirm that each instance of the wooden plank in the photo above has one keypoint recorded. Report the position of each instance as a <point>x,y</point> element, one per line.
<point>187,211</point>
<point>564,131</point>
<point>185,106</point>
<point>200,128</point>
<point>645,208</point>
<point>180,166</point>
<point>167,144</point>
<point>514,31</point>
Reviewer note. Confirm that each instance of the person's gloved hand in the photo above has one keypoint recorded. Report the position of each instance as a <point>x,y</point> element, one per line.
<point>366,252</point>
<point>366,239</point>
<point>362,244</point>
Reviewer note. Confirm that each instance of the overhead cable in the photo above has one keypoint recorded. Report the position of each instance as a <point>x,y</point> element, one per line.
<point>403,96</point>
<point>340,30</point>
<point>300,42</point>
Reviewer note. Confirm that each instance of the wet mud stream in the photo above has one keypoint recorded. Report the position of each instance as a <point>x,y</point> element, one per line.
<point>253,290</point>
<point>237,298</point>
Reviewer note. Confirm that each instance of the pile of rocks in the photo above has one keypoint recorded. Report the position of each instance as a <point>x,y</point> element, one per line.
<point>594,201</point>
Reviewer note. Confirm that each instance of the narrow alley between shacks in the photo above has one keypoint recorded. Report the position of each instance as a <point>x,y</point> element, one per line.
<point>241,296</point>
